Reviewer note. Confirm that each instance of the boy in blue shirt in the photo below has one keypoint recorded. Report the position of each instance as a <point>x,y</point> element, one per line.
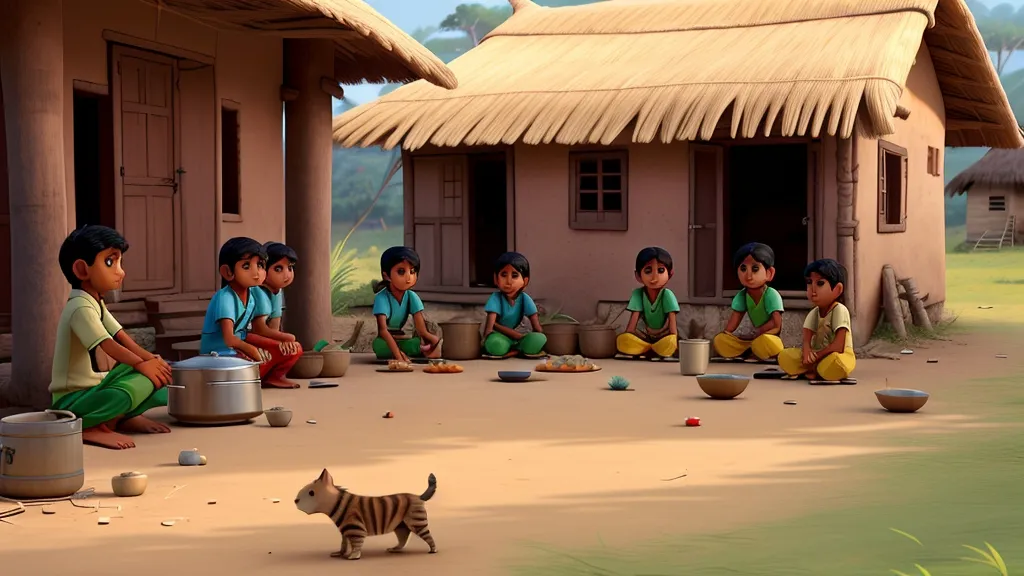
<point>232,310</point>
<point>394,303</point>
<point>507,308</point>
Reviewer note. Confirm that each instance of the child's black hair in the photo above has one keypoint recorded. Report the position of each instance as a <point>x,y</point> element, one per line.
<point>277,251</point>
<point>831,271</point>
<point>239,249</point>
<point>393,257</point>
<point>761,253</point>
<point>85,244</point>
<point>653,253</point>
<point>517,261</point>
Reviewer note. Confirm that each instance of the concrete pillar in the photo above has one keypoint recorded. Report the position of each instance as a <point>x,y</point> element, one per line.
<point>307,175</point>
<point>32,64</point>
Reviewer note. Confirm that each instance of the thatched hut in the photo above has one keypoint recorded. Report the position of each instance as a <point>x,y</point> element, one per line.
<point>994,187</point>
<point>162,118</point>
<point>579,135</point>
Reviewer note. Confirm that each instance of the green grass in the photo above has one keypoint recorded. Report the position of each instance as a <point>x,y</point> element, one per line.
<point>993,279</point>
<point>959,491</point>
<point>367,245</point>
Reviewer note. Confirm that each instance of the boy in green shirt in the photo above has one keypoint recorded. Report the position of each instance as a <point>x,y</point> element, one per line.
<point>755,267</point>
<point>107,402</point>
<point>653,303</point>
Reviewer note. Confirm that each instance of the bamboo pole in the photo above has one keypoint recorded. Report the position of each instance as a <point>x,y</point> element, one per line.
<point>891,302</point>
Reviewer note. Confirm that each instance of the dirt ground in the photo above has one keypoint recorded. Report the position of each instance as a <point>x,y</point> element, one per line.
<point>558,461</point>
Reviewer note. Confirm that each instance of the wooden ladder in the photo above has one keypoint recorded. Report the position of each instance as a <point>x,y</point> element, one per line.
<point>995,240</point>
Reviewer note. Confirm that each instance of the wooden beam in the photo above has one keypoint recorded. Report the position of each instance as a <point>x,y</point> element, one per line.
<point>289,94</point>
<point>134,41</point>
<point>972,125</point>
<point>332,87</point>
<point>968,103</point>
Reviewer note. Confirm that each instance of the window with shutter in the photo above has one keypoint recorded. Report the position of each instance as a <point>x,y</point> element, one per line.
<point>892,187</point>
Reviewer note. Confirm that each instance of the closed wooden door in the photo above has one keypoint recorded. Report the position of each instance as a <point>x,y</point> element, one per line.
<point>439,219</point>
<point>145,141</point>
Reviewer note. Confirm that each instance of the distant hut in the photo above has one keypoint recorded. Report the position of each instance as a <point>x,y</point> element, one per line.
<point>995,195</point>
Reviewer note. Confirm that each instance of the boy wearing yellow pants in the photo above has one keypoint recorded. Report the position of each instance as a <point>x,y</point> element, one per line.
<point>827,351</point>
<point>755,267</point>
<point>655,304</point>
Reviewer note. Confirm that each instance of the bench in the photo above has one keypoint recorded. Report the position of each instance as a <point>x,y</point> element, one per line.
<point>186,350</point>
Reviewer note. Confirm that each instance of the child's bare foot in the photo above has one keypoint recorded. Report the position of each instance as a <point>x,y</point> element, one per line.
<point>812,375</point>
<point>106,438</point>
<point>280,383</point>
<point>142,425</point>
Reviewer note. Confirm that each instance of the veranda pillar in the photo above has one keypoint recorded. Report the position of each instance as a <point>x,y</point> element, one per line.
<point>307,166</point>
<point>32,65</point>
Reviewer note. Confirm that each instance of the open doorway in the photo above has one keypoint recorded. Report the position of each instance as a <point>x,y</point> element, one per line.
<point>94,159</point>
<point>766,200</point>
<point>488,215</point>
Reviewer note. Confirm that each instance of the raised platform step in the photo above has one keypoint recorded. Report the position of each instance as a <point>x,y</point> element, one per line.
<point>165,342</point>
<point>186,350</point>
<point>131,314</point>
<point>181,312</point>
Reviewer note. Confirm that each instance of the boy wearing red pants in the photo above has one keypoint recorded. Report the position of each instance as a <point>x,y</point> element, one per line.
<point>231,311</point>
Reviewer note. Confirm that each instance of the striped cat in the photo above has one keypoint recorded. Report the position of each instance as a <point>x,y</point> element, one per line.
<point>360,516</point>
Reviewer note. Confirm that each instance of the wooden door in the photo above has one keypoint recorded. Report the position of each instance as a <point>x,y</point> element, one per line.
<point>439,219</point>
<point>145,154</point>
<point>5,229</point>
<point>705,230</point>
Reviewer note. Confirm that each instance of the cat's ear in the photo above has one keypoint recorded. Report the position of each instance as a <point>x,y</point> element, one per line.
<point>325,478</point>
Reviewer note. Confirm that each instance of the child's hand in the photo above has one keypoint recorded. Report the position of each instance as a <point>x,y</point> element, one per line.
<point>809,357</point>
<point>158,374</point>
<point>285,348</point>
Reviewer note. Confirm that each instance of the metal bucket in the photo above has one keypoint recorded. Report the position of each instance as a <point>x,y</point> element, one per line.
<point>41,455</point>
<point>694,356</point>
<point>214,390</point>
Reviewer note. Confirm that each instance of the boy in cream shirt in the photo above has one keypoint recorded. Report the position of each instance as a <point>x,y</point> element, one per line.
<point>827,350</point>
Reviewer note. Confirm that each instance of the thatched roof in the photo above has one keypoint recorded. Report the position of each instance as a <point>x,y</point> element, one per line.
<point>997,168</point>
<point>369,47</point>
<point>671,69</point>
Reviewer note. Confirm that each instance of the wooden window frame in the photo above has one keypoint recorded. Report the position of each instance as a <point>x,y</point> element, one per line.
<point>884,226</point>
<point>236,109</point>
<point>990,204</point>
<point>934,161</point>
<point>599,219</point>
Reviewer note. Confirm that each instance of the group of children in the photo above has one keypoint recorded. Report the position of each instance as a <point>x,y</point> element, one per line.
<point>826,351</point>
<point>243,318</point>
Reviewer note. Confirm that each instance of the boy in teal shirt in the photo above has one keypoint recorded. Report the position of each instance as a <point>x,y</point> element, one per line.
<point>755,267</point>
<point>394,303</point>
<point>655,304</point>
<point>507,308</point>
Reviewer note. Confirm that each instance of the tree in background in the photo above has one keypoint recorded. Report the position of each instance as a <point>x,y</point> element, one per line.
<point>475,20</point>
<point>1002,28</point>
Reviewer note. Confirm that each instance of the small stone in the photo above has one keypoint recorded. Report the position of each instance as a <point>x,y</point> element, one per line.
<point>202,460</point>
<point>933,360</point>
<point>48,510</point>
<point>790,402</point>
<point>906,351</point>
<point>1000,355</point>
<point>389,415</point>
<point>984,307</point>
<point>212,502</point>
<point>275,500</point>
<point>103,520</point>
<point>167,523</point>
<point>310,421</point>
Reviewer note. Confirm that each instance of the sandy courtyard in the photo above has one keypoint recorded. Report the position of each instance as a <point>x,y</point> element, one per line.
<point>559,461</point>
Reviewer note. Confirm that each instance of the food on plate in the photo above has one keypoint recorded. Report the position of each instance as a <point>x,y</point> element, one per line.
<point>399,366</point>
<point>442,367</point>
<point>573,363</point>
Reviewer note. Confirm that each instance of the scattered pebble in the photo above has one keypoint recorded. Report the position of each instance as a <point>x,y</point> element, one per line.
<point>202,460</point>
<point>389,415</point>
<point>1000,355</point>
<point>906,351</point>
<point>48,510</point>
<point>790,402</point>
<point>933,360</point>
<point>167,523</point>
<point>275,500</point>
<point>984,307</point>
<point>310,421</point>
<point>103,520</point>
<point>212,502</point>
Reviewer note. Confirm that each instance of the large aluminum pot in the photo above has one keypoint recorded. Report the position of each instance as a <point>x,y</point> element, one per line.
<point>212,389</point>
<point>41,455</point>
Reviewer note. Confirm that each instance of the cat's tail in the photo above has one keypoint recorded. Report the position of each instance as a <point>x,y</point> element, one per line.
<point>431,488</point>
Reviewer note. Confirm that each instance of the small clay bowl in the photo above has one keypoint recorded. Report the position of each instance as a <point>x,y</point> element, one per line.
<point>309,366</point>
<point>278,417</point>
<point>723,386</point>
<point>902,400</point>
<point>129,484</point>
<point>514,376</point>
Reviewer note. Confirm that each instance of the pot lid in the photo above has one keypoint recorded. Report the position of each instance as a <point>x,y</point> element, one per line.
<point>212,362</point>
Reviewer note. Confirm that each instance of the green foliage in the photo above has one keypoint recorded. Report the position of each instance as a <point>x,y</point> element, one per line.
<point>356,177</point>
<point>475,20</point>
<point>990,557</point>
<point>342,269</point>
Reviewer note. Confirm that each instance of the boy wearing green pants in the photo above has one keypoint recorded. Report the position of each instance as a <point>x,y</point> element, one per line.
<point>506,309</point>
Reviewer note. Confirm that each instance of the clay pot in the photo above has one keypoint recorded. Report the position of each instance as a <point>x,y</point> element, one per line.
<point>563,338</point>
<point>901,399</point>
<point>336,363</point>
<point>129,484</point>
<point>723,386</point>
<point>461,339</point>
<point>597,341</point>
<point>308,366</point>
<point>278,417</point>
